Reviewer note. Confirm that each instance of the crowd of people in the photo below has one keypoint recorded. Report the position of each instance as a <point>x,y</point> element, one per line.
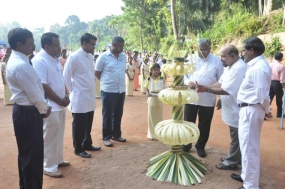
<point>43,86</point>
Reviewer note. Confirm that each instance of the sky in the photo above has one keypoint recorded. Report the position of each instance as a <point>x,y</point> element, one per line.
<point>33,14</point>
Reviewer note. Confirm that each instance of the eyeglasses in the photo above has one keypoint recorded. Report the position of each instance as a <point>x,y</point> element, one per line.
<point>204,50</point>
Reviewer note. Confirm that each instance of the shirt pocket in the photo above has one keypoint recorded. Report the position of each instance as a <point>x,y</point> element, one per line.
<point>111,69</point>
<point>209,73</point>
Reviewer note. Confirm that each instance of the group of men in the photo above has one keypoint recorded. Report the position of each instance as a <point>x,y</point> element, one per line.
<point>243,86</point>
<point>41,91</point>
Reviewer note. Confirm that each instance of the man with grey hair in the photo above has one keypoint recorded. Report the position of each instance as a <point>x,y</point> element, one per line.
<point>110,70</point>
<point>208,71</point>
<point>228,87</point>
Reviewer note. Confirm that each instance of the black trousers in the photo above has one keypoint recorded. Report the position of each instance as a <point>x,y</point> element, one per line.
<point>28,127</point>
<point>205,115</point>
<point>112,112</point>
<point>81,130</point>
<point>276,89</point>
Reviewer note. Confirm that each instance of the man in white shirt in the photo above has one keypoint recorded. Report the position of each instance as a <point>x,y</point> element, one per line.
<point>110,70</point>
<point>228,87</point>
<point>48,68</point>
<point>29,110</point>
<point>254,102</point>
<point>209,69</point>
<point>80,81</point>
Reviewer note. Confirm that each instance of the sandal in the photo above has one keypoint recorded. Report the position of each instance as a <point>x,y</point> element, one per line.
<point>223,158</point>
<point>224,167</point>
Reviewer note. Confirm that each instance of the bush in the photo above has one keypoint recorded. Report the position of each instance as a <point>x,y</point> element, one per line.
<point>272,47</point>
<point>239,23</point>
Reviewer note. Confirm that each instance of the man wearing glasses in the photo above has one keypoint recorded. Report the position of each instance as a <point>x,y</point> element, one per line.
<point>80,81</point>
<point>209,69</point>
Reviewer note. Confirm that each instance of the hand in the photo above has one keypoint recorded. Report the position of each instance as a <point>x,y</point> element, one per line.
<point>192,85</point>
<point>64,101</point>
<point>269,115</point>
<point>48,112</point>
<point>202,88</point>
<point>219,104</point>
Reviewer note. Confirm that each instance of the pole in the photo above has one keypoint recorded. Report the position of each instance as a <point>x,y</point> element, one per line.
<point>282,115</point>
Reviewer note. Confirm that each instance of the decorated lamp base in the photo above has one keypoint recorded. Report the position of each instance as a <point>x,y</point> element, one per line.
<point>176,166</point>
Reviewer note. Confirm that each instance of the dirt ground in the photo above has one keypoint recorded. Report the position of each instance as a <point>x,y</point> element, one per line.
<point>124,165</point>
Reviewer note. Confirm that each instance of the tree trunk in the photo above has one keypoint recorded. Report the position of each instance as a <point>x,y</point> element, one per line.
<point>141,37</point>
<point>267,7</point>
<point>173,17</point>
<point>283,21</point>
<point>260,8</point>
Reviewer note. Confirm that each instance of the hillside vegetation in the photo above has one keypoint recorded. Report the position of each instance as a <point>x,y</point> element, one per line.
<point>243,24</point>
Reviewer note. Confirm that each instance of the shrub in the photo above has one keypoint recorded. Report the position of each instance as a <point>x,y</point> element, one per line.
<point>272,47</point>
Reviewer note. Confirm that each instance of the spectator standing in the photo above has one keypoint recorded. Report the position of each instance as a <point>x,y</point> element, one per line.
<point>80,81</point>
<point>48,68</point>
<point>29,110</point>
<point>277,82</point>
<point>110,70</point>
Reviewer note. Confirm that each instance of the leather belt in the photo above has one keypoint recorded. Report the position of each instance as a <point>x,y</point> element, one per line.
<point>245,104</point>
<point>25,107</point>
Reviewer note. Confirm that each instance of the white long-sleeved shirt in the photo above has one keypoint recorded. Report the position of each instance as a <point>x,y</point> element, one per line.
<point>208,71</point>
<point>256,84</point>
<point>79,79</point>
<point>50,72</point>
<point>24,83</point>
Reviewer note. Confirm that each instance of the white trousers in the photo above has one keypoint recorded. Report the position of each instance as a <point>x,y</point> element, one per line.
<point>53,140</point>
<point>250,123</point>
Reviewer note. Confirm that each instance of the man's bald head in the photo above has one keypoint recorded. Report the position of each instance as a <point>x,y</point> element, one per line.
<point>229,55</point>
<point>230,49</point>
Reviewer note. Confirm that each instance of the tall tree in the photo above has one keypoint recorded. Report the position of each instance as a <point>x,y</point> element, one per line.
<point>173,18</point>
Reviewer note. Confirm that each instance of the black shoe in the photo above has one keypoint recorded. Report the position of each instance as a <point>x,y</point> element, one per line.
<point>187,148</point>
<point>92,148</point>
<point>279,116</point>
<point>83,154</point>
<point>236,177</point>
<point>201,152</point>
<point>241,187</point>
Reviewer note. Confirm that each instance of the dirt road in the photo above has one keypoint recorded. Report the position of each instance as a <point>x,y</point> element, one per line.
<point>124,165</point>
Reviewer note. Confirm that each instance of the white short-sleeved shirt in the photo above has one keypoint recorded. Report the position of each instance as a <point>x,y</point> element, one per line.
<point>112,72</point>
<point>49,70</point>
<point>231,81</point>
<point>256,84</point>
<point>79,79</point>
<point>155,86</point>
<point>208,71</point>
